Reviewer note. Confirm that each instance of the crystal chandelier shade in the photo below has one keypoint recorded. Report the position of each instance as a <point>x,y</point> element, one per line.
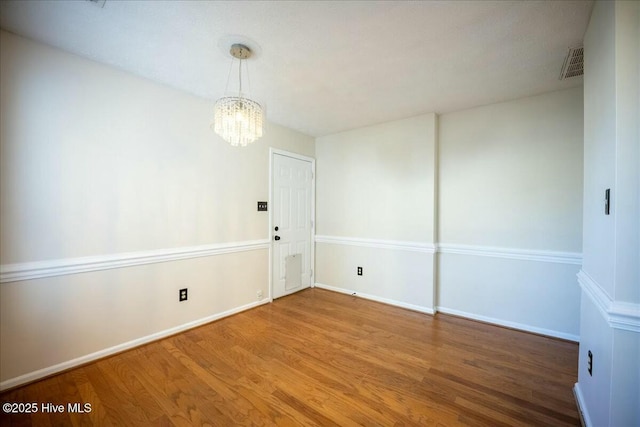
<point>237,119</point>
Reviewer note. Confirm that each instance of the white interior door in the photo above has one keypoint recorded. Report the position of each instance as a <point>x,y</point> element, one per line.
<point>291,222</point>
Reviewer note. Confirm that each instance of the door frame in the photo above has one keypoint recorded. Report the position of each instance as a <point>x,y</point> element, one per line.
<point>312,253</point>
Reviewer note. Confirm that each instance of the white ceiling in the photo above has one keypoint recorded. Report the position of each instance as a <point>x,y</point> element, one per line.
<point>325,66</point>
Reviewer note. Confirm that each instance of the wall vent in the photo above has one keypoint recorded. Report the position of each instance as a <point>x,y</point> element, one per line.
<point>573,64</point>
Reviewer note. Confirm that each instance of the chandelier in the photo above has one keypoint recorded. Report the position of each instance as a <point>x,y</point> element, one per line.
<point>237,119</point>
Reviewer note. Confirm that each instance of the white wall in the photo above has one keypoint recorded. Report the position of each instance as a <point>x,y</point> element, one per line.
<point>375,209</point>
<point>377,182</point>
<point>114,194</point>
<point>509,212</point>
<point>511,174</point>
<point>599,143</point>
<point>508,197</point>
<point>610,276</point>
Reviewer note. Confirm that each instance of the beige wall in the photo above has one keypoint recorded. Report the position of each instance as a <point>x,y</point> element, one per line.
<point>510,213</point>
<point>497,189</point>
<point>511,174</point>
<point>99,163</point>
<point>378,182</point>
<point>375,210</point>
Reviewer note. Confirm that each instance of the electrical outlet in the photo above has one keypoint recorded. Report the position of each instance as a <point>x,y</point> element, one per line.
<point>259,294</point>
<point>183,295</point>
<point>590,363</point>
<point>359,271</point>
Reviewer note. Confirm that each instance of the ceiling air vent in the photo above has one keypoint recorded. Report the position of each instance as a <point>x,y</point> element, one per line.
<point>573,64</point>
<point>99,3</point>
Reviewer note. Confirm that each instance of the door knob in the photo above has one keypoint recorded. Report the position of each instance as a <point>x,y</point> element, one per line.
<point>276,229</point>
<point>277,238</point>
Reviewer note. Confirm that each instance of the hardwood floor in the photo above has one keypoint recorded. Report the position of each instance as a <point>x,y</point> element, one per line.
<point>321,358</point>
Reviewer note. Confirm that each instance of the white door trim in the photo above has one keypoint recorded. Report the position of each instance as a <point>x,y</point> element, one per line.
<point>272,153</point>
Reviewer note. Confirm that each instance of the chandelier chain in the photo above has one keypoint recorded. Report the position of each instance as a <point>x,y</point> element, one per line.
<point>226,88</point>
<point>240,78</point>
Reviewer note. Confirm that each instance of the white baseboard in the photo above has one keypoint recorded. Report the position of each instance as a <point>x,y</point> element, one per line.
<point>582,407</point>
<point>55,369</point>
<point>508,324</point>
<point>376,298</point>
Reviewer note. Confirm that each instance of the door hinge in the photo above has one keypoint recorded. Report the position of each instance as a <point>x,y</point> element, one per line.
<point>311,273</point>
<point>311,223</point>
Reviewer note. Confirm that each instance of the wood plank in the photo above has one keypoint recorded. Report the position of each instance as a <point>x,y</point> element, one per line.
<point>319,358</point>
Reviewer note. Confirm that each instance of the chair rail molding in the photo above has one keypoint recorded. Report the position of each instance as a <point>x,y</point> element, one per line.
<point>378,243</point>
<point>512,253</point>
<point>558,257</point>
<point>60,267</point>
<point>619,314</point>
